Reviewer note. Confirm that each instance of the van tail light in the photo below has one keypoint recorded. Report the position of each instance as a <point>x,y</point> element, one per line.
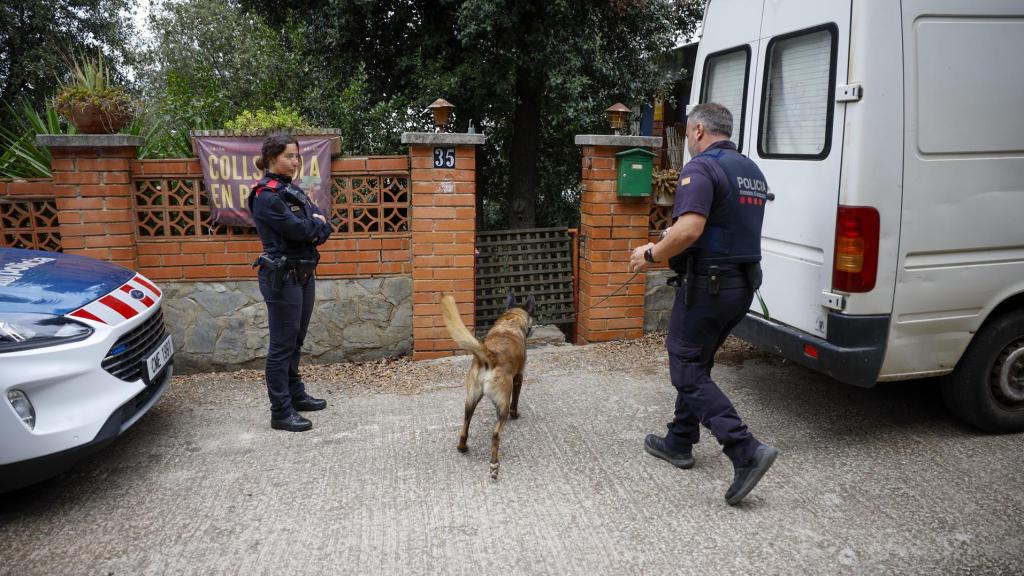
<point>855,267</point>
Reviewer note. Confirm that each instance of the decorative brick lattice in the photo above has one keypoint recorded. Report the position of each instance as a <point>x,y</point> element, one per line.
<point>661,218</point>
<point>175,208</point>
<point>29,223</point>
<point>179,207</point>
<point>377,203</point>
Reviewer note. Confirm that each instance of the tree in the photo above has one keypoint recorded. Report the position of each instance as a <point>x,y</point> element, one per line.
<point>531,73</point>
<point>562,62</point>
<point>38,37</point>
<point>209,60</point>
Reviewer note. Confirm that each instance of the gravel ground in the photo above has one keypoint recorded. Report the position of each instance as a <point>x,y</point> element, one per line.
<point>404,376</point>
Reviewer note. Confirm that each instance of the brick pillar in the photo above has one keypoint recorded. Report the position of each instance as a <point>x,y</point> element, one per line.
<point>443,223</point>
<point>610,227</point>
<point>93,188</point>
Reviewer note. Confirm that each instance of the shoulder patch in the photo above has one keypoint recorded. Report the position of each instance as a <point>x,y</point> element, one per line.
<point>272,184</point>
<point>684,181</point>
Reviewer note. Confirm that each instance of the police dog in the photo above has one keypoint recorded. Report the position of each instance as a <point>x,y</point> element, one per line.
<point>498,363</point>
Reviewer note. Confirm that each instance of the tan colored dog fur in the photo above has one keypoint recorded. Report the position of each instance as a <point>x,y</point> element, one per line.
<point>497,369</point>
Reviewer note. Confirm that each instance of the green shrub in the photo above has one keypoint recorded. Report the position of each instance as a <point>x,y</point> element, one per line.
<point>20,155</point>
<point>262,121</point>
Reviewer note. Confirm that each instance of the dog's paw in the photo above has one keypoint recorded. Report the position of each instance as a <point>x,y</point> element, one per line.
<point>514,414</point>
<point>462,448</point>
<point>494,471</point>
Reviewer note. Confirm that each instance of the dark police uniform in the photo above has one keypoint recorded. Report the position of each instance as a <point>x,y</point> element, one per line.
<point>290,235</point>
<point>730,191</point>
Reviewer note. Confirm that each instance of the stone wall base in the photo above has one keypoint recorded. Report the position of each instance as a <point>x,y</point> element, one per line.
<point>658,299</point>
<point>223,325</point>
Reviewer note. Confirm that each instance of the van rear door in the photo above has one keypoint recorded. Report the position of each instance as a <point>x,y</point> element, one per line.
<point>795,135</point>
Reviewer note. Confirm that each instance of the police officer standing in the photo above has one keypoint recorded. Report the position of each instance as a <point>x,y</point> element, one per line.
<point>290,227</point>
<point>714,245</point>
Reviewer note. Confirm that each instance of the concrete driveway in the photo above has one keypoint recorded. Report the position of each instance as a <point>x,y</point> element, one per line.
<point>875,481</point>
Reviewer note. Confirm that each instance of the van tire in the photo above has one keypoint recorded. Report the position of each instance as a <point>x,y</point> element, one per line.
<point>972,391</point>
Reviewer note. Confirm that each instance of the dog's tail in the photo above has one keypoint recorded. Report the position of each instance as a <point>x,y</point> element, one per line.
<point>462,336</point>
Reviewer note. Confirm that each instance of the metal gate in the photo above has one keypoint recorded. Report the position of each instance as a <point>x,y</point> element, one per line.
<point>540,262</point>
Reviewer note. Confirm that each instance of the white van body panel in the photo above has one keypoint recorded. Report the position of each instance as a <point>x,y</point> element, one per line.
<point>872,148</point>
<point>935,144</point>
<point>742,20</point>
<point>962,248</point>
<point>798,236</point>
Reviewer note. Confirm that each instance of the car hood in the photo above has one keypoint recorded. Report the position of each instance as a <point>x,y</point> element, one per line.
<point>54,283</point>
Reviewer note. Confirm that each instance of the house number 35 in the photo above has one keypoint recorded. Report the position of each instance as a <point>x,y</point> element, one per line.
<point>444,157</point>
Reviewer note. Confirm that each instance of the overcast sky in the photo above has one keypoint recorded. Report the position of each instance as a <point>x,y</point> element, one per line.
<point>140,14</point>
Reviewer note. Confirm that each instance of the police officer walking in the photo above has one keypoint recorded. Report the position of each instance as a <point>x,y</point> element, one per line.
<point>714,245</point>
<point>290,227</point>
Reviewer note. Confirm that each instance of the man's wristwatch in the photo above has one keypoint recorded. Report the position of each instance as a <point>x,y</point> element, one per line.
<point>649,255</point>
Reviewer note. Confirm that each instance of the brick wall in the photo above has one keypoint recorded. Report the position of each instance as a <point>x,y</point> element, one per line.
<point>101,192</point>
<point>612,227</point>
<point>93,190</point>
<point>443,240</point>
<point>33,187</point>
<point>611,298</point>
<point>213,257</point>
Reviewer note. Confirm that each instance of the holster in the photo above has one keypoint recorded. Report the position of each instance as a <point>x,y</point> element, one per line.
<point>304,269</point>
<point>684,280</point>
<point>688,284</point>
<point>752,271</point>
<point>278,268</point>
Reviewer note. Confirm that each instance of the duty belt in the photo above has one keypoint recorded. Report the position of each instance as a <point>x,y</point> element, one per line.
<point>281,266</point>
<point>713,281</point>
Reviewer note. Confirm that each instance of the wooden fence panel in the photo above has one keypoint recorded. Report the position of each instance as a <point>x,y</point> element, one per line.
<point>537,262</point>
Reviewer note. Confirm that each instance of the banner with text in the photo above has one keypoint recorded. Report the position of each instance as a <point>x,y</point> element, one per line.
<point>229,171</point>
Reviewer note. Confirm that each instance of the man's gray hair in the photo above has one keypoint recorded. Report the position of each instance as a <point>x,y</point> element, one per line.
<point>715,118</point>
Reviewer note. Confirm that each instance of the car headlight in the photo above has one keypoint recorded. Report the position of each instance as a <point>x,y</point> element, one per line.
<point>20,402</point>
<point>24,331</point>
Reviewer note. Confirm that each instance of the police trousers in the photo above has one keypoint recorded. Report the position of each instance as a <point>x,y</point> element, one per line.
<point>288,313</point>
<point>694,335</point>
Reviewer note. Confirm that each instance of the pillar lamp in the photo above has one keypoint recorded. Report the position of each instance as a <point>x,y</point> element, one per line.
<point>618,115</point>
<point>441,109</point>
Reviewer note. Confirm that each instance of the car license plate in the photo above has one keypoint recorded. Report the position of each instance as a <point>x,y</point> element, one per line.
<point>159,358</point>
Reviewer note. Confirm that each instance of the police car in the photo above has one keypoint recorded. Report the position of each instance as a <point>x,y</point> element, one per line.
<point>83,355</point>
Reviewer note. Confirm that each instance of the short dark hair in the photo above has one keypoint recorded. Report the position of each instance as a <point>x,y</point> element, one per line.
<point>715,118</point>
<point>273,146</point>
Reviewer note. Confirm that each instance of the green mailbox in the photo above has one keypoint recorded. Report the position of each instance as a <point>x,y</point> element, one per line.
<point>634,172</point>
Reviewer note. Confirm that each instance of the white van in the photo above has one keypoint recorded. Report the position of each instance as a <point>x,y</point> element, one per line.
<point>892,136</point>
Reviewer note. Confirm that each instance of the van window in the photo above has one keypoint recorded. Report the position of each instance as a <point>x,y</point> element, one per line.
<point>725,82</point>
<point>796,107</point>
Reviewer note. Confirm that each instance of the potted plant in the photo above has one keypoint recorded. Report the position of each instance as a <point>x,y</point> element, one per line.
<point>88,100</point>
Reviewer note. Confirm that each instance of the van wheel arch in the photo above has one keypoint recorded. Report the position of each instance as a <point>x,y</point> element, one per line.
<point>987,387</point>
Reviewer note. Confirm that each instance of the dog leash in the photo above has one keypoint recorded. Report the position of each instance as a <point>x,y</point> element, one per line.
<point>624,284</point>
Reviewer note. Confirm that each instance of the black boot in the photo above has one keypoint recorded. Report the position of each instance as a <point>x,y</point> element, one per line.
<point>746,477</point>
<point>309,404</point>
<point>292,423</point>
<point>655,446</point>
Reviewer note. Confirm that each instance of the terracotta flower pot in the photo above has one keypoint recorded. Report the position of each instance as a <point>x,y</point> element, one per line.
<point>88,118</point>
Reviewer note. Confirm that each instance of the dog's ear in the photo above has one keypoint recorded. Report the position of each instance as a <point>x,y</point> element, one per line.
<point>530,302</point>
<point>510,302</point>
